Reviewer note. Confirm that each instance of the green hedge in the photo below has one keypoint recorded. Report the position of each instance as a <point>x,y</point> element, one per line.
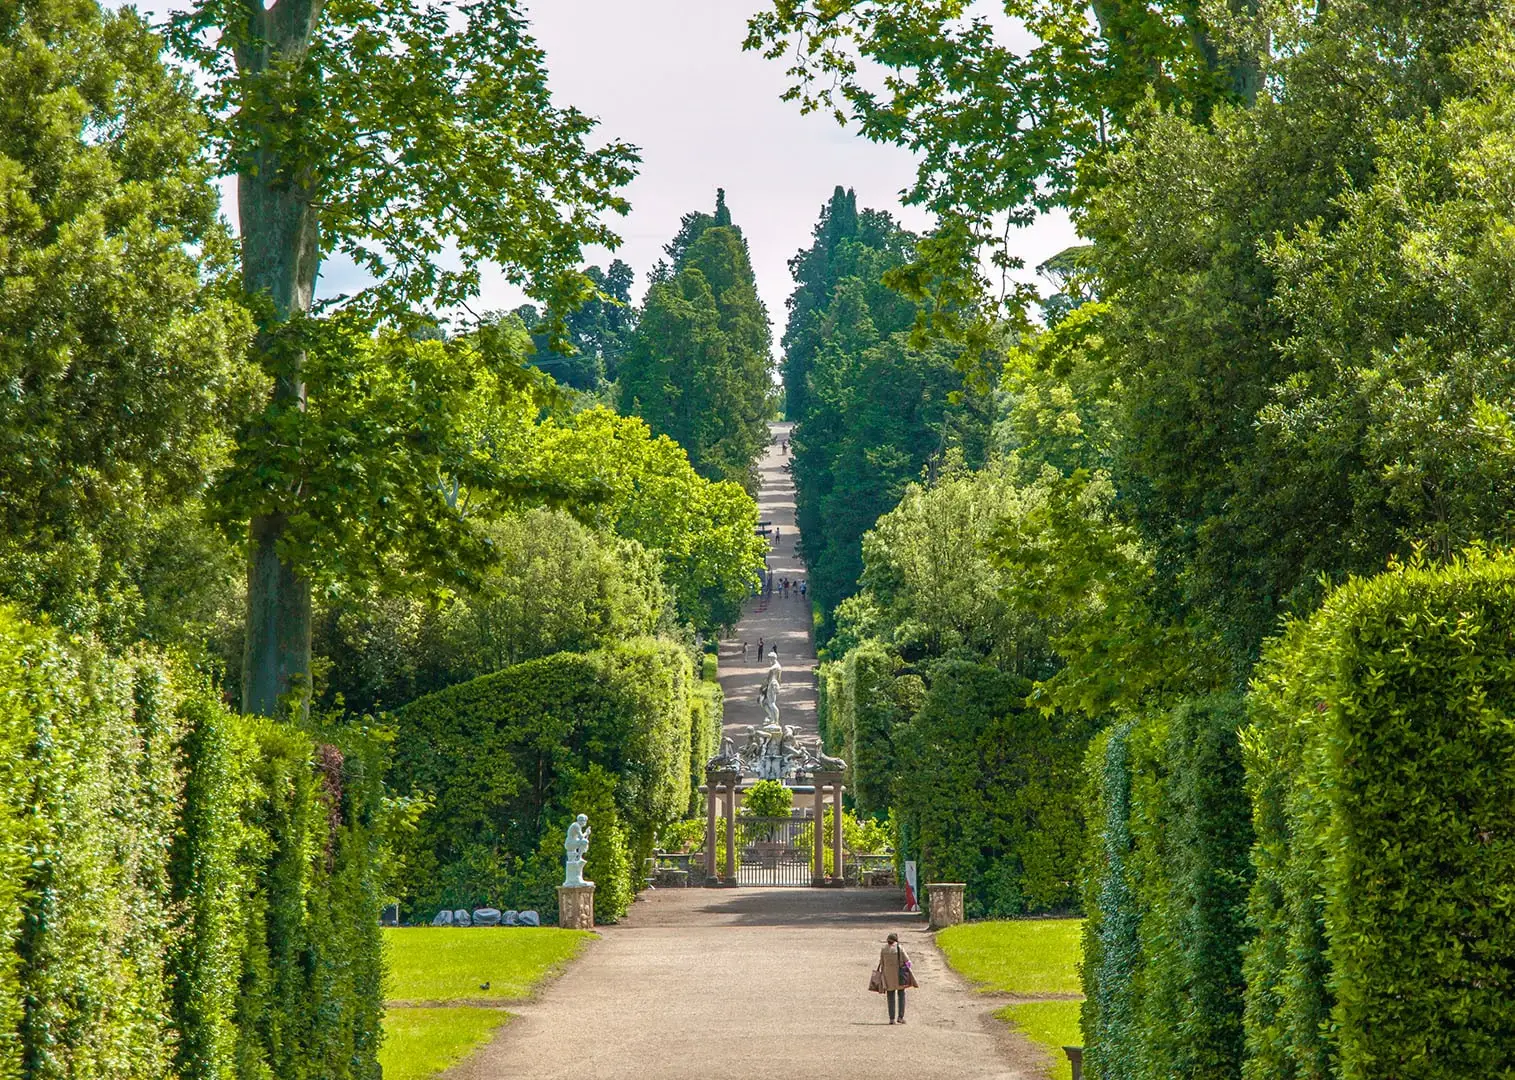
<point>707,709</point>
<point>864,702</point>
<point>1112,928</point>
<point>1167,893</point>
<point>1381,763</point>
<point>989,791</point>
<point>185,893</point>
<point>510,758</point>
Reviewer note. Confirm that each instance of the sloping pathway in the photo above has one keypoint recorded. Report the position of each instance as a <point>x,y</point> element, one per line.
<point>771,618</point>
<point>754,983</point>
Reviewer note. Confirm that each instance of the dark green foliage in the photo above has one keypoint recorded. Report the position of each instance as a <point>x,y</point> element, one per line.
<point>872,410</point>
<point>865,710</point>
<point>505,757</point>
<point>554,585</point>
<point>1381,763</point>
<point>1112,943</point>
<point>697,368</point>
<point>597,332</point>
<point>1166,890</point>
<point>989,788</point>
<point>199,898</point>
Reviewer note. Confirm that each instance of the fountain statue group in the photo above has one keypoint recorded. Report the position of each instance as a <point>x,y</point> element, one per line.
<point>772,750</point>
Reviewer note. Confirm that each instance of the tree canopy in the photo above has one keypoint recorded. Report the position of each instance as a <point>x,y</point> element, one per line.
<point>698,366</point>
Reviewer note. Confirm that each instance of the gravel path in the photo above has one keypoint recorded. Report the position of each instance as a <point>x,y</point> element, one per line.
<point>753,983</point>
<point>774,619</point>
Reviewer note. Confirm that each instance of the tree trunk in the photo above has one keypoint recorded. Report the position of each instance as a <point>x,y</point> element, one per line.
<point>280,259</point>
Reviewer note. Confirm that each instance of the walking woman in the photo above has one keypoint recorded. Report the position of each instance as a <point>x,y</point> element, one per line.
<point>894,967</point>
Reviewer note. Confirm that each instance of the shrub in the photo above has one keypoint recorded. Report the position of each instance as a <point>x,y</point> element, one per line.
<point>504,757</point>
<point>768,798</point>
<point>1381,764</point>
<point>990,796</point>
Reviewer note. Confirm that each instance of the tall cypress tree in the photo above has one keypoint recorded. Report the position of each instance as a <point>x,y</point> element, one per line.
<point>871,411</point>
<point>698,368</point>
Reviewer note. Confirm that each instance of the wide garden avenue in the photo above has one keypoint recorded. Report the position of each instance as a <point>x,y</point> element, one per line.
<point>757,538</point>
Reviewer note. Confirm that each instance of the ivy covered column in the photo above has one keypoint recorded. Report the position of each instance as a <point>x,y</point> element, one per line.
<point>836,834</point>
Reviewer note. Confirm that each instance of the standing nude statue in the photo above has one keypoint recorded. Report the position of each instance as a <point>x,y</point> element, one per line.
<point>770,693</point>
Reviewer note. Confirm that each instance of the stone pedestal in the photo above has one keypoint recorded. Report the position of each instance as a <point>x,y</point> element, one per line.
<point>576,907</point>
<point>946,903</point>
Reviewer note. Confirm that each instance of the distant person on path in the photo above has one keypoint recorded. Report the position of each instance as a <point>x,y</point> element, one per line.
<point>760,648</point>
<point>894,963</point>
<point>804,589</point>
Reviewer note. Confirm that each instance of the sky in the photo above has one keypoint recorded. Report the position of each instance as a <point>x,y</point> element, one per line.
<point>670,77</point>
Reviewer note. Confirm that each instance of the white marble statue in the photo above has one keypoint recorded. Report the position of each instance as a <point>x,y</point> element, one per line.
<point>770,692</point>
<point>576,844</point>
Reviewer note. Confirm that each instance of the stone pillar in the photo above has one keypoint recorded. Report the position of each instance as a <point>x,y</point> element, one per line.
<point>818,868</point>
<point>946,903</point>
<point>710,798</point>
<point>836,834</point>
<point>731,869</point>
<point>576,907</point>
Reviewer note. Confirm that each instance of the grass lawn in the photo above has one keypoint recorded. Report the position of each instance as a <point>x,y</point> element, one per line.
<point>419,1043</point>
<point>451,963</point>
<point>1051,1024</point>
<point>1028,957</point>
<point>1021,956</point>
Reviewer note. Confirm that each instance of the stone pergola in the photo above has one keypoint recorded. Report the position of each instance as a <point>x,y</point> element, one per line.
<point>721,787</point>
<point>824,781</point>
<point>720,790</point>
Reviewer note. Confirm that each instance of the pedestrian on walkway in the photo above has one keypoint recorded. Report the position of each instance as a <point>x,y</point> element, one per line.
<point>804,589</point>
<point>760,648</point>
<point>895,973</point>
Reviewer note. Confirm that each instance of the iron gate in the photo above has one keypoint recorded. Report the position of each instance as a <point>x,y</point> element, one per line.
<point>774,850</point>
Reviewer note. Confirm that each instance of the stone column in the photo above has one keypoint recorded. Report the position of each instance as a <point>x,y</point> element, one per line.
<point>818,868</point>
<point>710,798</point>
<point>836,834</point>
<point>576,907</point>
<point>731,871</point>
<point>946,903</point>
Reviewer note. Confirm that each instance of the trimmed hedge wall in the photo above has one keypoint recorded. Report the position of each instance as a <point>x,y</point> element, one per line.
<point>863,703</point>
<point>185,893</point>
<point>1381,763</point>
<point>989,790</point>
<point>507,760</point>
<point>1166,895</point>
<point>707,711</point>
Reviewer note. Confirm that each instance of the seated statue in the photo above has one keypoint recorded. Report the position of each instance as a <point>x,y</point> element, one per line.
<point>576,844</point>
